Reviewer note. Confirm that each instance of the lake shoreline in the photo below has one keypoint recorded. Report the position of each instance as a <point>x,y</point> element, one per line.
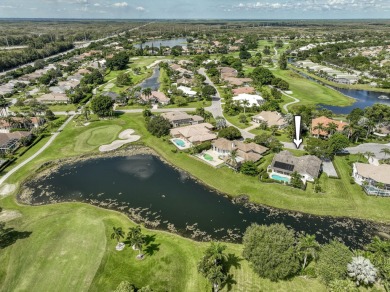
<point>23,196</point>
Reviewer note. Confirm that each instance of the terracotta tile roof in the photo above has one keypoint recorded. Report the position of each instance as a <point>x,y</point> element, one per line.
<point>325,121</point>
<point>239,90</point>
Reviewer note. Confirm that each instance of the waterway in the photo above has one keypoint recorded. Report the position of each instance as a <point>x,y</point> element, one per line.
<point>363,98</point>
<point>152,81</point>
<point>149,190</point>
<point>164,43</point>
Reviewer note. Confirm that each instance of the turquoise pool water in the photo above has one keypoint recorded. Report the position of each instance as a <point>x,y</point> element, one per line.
<point>280,178</point>
<point>179,142</point>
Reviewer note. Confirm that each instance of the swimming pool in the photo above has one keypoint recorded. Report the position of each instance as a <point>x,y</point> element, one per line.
<point>208,157</point>
<point>179,142</point>
<point>280,178</point>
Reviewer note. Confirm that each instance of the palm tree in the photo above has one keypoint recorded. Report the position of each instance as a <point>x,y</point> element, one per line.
<point>133,233</point>
<point>331,128</point>
<point>211,266</point>
<point>369,155</point>
<point>385,151</point>
<point>216,276</point>
<point>138,242</point>
<point>232,159</point>
<point>308,247</point>
<point>245,103</point>
<point>319,127</point>
<point>117,234</point>
<point>147,92</point>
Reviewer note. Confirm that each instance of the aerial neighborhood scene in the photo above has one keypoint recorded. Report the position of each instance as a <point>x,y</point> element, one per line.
<point>194,146</point>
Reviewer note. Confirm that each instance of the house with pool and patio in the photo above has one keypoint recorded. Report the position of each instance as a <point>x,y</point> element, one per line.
<point>221,149</point>
<point>375,179</point>
<point>187,136</point>
<point>285,163</point>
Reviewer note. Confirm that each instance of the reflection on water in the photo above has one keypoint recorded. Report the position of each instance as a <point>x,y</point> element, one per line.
<point>150,191</point>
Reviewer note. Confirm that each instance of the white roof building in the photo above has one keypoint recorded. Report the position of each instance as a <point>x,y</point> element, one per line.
<point>253,99</point>
<point>186,90</point>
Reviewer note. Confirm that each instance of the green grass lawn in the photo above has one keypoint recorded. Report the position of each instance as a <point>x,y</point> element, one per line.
<point>193,104</point>
<point>67,247</point>
<point>235,120</point>
<point>280,134</point>
<point>310,92</point>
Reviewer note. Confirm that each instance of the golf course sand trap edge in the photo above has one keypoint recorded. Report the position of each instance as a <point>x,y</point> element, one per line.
<point>126,136</point>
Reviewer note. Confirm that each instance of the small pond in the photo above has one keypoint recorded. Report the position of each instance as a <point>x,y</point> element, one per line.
<point>152,81</point>
<point>151,191</point>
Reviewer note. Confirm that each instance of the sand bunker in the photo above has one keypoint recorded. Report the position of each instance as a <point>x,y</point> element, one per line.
<point>126,136</point>
<point>7,189</point>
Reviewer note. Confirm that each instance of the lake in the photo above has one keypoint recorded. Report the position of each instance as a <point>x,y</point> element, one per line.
<point>165,43</point>
<point>364,98</point>
<point>149,190</point>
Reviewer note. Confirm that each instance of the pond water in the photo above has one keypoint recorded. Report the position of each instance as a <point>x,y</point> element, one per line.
<point>364,98</point>
<point>149,190</point>
<point>152,81</point>
<point>165,43</point>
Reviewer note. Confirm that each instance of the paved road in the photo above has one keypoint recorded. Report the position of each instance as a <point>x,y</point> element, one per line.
<point>216,106</point>
<point>48,143</point>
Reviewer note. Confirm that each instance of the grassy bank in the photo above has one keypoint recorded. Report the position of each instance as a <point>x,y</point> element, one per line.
<point>351,201</point>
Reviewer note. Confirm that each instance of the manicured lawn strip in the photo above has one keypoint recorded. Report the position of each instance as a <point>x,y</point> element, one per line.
<point>281,135</point>
<point>235,121</point>
<point>193,104</point>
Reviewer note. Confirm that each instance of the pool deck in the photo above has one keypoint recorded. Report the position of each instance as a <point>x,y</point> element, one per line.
<point>186,146</point>
<point>216,162</point>
<point>281,175</point>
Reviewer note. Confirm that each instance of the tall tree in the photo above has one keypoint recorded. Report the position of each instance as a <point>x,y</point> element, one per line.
<point>117,233</point>
<point>307,248</point>
<point>212,265</point>
<point>271,251</point>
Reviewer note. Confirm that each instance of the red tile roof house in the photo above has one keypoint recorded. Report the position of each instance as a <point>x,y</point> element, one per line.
<point>324,121</point>
<point>240,90</point>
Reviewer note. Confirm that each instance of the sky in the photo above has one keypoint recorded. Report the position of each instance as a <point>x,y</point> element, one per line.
<point>196,9</point>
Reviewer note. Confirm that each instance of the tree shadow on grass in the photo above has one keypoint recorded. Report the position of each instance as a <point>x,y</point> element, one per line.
<point>9,236</point>
<point>231,261</point>
<point>152,248</point>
